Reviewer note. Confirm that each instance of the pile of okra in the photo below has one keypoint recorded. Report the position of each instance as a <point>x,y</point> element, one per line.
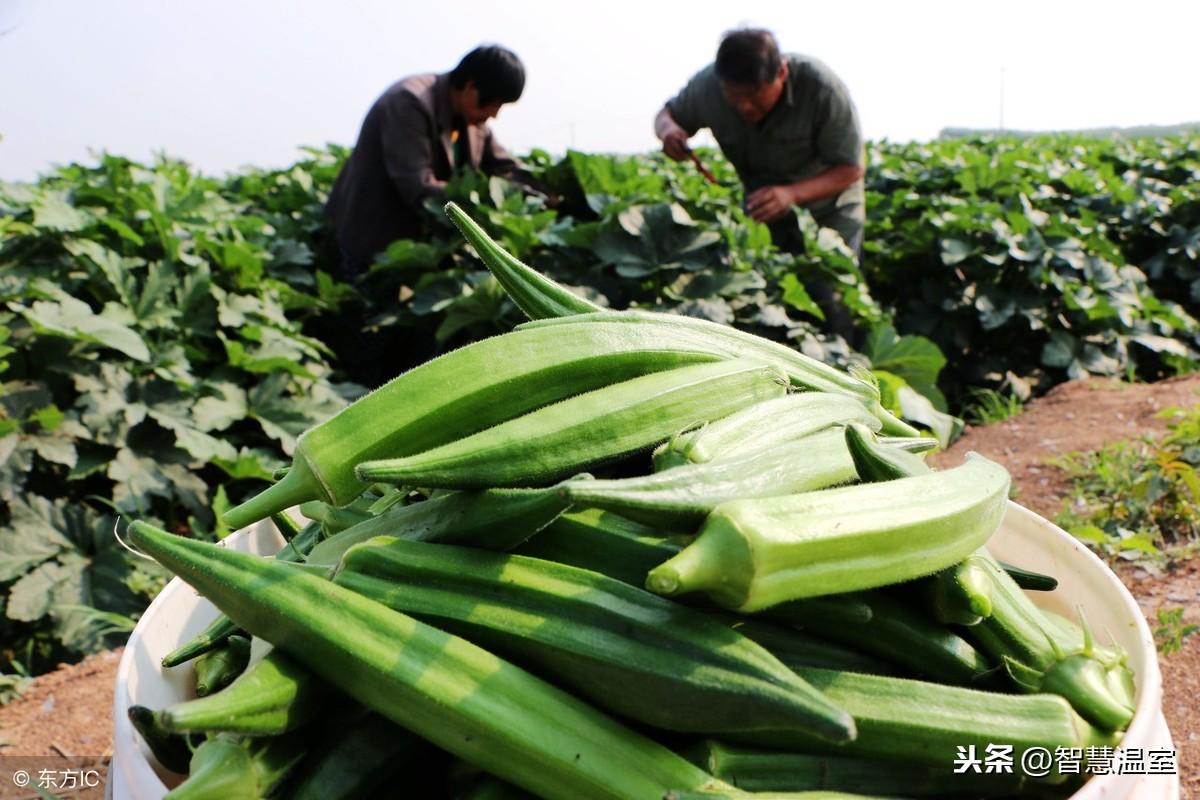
<point>627,554</point>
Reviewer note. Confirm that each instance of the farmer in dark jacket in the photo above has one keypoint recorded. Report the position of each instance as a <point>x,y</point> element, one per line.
<point>415,135</point>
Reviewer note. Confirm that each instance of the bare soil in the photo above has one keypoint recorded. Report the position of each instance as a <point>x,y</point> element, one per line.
<point>67,713</point>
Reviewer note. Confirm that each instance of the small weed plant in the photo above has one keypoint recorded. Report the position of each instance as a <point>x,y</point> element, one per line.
<point>1138,500</point>
<point>985,406</point>
<point>1171,630</point>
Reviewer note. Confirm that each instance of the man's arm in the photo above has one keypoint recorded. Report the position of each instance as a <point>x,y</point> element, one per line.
<point>496,160</point>
<point>672,135</point>
<point>769,203</point>
<point>407,147</point>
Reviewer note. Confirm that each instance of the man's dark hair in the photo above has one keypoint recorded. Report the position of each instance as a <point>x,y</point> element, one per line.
<point>496,72</point>
<point>748,56</point>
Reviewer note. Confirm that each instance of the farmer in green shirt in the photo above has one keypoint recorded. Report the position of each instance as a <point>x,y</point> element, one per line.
<point>787,125</point>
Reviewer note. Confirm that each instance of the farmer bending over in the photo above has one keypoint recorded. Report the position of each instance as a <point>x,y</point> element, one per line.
<point>415,135</point>
<point>788,126</point>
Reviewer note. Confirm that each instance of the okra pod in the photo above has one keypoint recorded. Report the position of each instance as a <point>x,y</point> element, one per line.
<point>169,749</point>
<point>232,768</point>
<point>535,294</point>
<point>680,498</point>
<point>462,392</point>
<point>273,696</point>
<point>603,542</point>
<point>567,437</point>
<point>495,519</point>
<point>805,372</point>
<point>752,554</point>
<point>220,769</point>
<point>441,687</point>
<point>926,723</point>
<point>627,650</point>
<point>762,426</point>
<point>875,462</point>
<point>1029,580</point>
<point>797,649</point>
<point>1039,658</point>
<point>545,301</point>
<point>899,635</point>
<point>217,668</point>
<point>773,771</point>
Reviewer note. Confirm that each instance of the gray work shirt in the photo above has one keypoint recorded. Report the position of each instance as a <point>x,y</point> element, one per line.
<point>813,127</point>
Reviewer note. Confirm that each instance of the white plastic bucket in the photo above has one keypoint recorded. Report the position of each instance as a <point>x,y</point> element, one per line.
<point>1024,538</point>
<point>176,615</point>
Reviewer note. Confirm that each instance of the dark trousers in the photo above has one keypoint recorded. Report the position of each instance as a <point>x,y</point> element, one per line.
<point>373,356</point>
<point>348,268</point>
<point>786,235</point>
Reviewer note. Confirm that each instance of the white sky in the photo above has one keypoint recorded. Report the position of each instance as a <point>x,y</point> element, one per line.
<point>224,83</point>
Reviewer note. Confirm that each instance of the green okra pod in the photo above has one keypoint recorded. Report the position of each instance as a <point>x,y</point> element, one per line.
<point>763,426</point>
<point>799,649</point>
<point>918,722</point>
<point>604,542</point>
<point>229,767</point>
<point>680,498</point>
<point>217,668</point>
<point>1029,580</point>
<point>463,392</point>
<point>545,301</point>
<point>1039,655</point>
<point>441,687</point>
<point>753,554</point>
<point>875,462</point>
<point>900,635</point>
<point>535,294</point>
<point>213,635</point>
<point>805,372</point>
<point>567,437</point>
<point>220,769</point>
<point>273,696</point>
<point>774,771</point>
<point>493,519</point>
<point>625,649</point>
<point>169,748</point>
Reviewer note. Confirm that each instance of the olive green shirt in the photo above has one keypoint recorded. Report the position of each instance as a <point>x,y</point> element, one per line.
<point>813,127</point>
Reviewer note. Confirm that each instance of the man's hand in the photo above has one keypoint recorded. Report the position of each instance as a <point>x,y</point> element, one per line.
<point>769,203</point>
<point>675,144</point>
<point>674,137</point>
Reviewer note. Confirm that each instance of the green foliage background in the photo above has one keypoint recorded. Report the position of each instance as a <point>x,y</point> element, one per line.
<point>165,336</point>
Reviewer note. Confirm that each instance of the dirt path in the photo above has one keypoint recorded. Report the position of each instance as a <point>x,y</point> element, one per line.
<point>67,712</point>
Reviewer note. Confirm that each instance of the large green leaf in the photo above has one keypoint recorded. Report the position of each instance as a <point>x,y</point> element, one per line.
<point>178,418</point>
<point>31,597</point>
<point>139,479</point>
<point>109,403</point>
<point>225,405</point>
<point>34,535</point>
<point>53,211</point>
<point>118,271</point>
<point>74,319</point>
<point>796,296</point>
<point>284,416</point>
<point>914,358</point>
